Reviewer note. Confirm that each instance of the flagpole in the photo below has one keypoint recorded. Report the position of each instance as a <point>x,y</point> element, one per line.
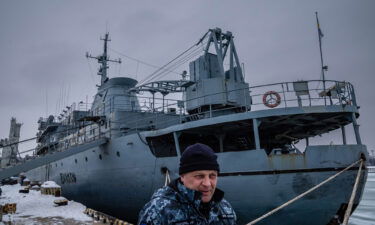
<point>320,35</point>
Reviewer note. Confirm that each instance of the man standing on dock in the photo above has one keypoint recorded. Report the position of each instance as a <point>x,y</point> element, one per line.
<point>192,198</point>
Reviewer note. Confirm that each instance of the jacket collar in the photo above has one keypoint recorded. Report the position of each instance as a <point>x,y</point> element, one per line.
<point>193,196</point>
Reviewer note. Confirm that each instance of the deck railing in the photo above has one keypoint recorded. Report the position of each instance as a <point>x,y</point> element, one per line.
<point>286,94</point>
<point>290,94</point>
<point>278,95</point>
<point>305,93</point>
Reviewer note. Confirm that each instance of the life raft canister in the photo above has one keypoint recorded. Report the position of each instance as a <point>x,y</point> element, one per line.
<point>271,99</point>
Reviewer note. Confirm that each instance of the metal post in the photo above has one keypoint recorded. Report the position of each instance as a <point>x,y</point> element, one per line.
<point>307,141</point>
<point>256,133</point>
<point>99,129</point>
<point>177,143</point>
<point>343,135</point>
<point>221,142</point>
<point>111,101</point>
<point>320,35</point>
<point>282,86</point>
<point>153,101</point>
<point>110,128</point>
<point>244,96</point>
<point>210,110</point>
<point>299,101</point>
<point>84,135</point>
<point>352,95</point>
<point>163,103</point>
<point>356,129</point>
<point>180,115</point>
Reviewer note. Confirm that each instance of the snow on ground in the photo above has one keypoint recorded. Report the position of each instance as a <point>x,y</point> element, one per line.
<point>50,184</point>
<point>33,208</point>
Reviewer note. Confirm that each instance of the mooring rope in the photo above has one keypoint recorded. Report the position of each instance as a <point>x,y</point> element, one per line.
<point>305,193</point>
<point>167,178</point>
<point>354,192</point>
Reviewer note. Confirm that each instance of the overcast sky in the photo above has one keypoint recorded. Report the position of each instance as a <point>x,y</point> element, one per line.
<point>43,44</point>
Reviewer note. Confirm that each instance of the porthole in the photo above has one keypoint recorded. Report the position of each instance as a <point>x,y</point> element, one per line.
<point>118,154</point>
<point>100,156</point>
<point>75,161</point>
<point>86,159</point>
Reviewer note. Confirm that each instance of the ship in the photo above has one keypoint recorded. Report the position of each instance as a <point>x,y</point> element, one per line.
<point>113,155</point>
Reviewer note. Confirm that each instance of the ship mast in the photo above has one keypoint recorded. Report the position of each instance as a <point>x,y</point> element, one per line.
<point>323,67</point>
<point>103,61</point>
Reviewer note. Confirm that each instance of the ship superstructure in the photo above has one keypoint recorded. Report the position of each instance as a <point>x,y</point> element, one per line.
<point>10,155</point>
<point>113,156</point>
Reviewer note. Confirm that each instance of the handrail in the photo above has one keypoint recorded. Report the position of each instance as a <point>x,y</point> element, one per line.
<point>289,98</point>
<point>338,95</point>
<point>344,95</point>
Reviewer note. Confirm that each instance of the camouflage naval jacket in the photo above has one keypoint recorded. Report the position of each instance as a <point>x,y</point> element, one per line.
<point>175,204</point>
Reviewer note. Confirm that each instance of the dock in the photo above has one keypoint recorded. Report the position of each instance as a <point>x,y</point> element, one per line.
<point>45,206</point>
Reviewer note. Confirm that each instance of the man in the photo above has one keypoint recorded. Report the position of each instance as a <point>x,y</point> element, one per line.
<point>192,198</point>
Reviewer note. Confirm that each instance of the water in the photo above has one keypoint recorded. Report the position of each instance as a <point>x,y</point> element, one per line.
<point>365,212</point>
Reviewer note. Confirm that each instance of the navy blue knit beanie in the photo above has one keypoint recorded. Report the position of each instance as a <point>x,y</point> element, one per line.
<point>198,157</point>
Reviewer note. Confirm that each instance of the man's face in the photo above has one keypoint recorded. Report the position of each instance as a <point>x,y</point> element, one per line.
<point>203,181</point>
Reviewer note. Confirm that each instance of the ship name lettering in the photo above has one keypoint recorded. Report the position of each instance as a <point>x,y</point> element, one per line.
<point>67,178</point>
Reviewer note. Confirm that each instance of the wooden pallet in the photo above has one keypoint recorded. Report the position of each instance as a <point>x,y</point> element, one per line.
<point>51,191</point>
<point>121,222</point>
<point>104,218</point>
<point>25,183</point>
<point>60,202</point>
<point>25,191</point>
<point>9,208</point>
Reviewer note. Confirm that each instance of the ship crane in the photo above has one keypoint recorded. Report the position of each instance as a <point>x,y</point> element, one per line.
<point>222,42</point>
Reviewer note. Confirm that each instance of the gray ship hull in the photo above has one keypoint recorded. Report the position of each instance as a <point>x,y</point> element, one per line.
<point>120,177</point>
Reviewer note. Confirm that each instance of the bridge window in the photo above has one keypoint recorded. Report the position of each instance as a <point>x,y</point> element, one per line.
<point>162,146</point>
<point>187,139</point>
<point>238,141</point>
<point>231,137</point>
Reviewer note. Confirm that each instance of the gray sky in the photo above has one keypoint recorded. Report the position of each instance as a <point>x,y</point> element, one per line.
<point>43,43</point>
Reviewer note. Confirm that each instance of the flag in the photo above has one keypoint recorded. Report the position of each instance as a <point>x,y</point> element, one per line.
<point>319,30</point>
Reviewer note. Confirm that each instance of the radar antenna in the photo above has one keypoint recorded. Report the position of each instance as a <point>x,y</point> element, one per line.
<point>103,60</point>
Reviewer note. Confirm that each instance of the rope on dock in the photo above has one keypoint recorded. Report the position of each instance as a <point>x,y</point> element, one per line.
<point>354,192</point>
<point>305,193</point>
